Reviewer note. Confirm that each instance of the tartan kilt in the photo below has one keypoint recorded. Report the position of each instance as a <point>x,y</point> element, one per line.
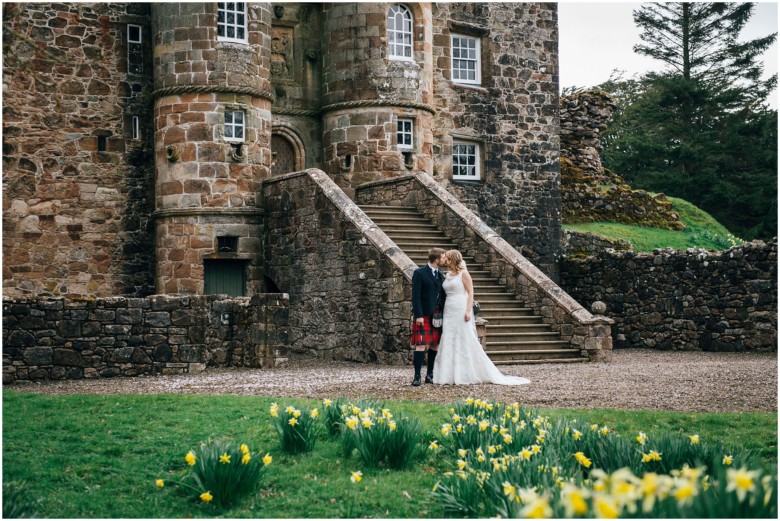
<point>425,335</point>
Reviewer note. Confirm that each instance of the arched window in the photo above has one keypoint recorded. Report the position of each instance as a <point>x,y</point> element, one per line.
<point>399,32</point>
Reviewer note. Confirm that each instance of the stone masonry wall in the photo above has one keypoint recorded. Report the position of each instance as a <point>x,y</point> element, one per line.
<point>59,338</point>
<point>684,300</point>
<point>512,115</point>
<point>77,189</point>
<point>349,285</point>
<point>592,193</point>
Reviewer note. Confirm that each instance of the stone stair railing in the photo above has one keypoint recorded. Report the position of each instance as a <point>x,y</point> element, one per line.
<point>591,334</point>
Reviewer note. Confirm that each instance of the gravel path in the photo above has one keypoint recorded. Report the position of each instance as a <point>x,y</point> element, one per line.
<point>635,379</point>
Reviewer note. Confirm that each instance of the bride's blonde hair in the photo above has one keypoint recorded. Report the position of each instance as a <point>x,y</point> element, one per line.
<point>454,261</point>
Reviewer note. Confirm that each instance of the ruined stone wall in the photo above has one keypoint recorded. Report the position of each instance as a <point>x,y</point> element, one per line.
<point>690,300</point>
<point>512,115</point>
<point>54,339</point>
<point>350,291</point>
<point>592,193</point>
<point>579,243</point>
<point>77,189</point>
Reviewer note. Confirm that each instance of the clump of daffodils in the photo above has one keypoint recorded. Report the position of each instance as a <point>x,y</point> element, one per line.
<point>297,428</point>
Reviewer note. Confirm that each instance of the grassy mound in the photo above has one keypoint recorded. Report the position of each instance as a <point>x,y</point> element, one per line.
<point>701,231</point>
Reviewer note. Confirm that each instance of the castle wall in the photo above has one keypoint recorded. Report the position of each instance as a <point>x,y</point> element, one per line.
<point>77,189</point>
<point>55,339</point>
<point>683,300</point>
<point>512,115</point>
<point>206,185</point>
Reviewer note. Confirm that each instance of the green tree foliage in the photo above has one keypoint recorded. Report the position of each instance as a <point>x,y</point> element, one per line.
<point>700,129</point>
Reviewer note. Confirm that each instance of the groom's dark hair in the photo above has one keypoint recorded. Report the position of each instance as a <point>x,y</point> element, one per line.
<point>435,253</point>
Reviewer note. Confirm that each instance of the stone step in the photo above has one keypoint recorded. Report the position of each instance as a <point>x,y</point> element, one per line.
<point>542,361</point>
<point>530,345</point>
<point>407,241</point>
<point>495,330</point>
<point>525,354</point>
<point>521,320</point>
<point>416,230</point>
<point>526,336</point>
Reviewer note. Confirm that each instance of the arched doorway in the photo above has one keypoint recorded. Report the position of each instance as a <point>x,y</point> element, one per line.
<point>286,150</point>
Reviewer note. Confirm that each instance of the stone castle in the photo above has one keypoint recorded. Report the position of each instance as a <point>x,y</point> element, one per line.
<point>214,183</point>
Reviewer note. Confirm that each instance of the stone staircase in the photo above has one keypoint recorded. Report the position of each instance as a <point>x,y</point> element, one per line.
<point>515,335</point>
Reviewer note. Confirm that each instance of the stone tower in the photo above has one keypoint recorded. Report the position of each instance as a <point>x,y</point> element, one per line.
<point>212,146</point>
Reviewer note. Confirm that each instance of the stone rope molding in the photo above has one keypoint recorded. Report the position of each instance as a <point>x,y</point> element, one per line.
<point>295,112</point>
<point>378,103</point>
<point>203,89</point>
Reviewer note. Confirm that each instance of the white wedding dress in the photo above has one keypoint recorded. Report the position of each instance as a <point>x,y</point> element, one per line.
<point>461,359</point>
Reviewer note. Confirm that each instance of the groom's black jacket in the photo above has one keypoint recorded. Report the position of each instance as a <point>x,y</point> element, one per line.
<point>427,293</point>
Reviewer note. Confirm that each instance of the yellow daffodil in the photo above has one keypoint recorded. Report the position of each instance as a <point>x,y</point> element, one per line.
<point>728,460</point>
<point>605,507</point>
<point>327,403</point>
<point>480,458</point>
<point>483,425</point>
<point>655,456</point>
<point>433,445</point>
<point>244,448</point>
<point>455,418</point>
<point>525,453</point>
<point>367,423</point>
<point>369,412</point>
<point>741,481</point>
<point>206,497</point>
<point>355,477</point>
<point>290,409</point>
<point>576,434</point>
<point>246,459</point>
<point>582,459</point>
<point>510,491</point>
<point>536,449</point>
<point>386,413</point>
<point>459,428</point>
<point>694,439</point>
<point>540,439</point>
<point>538,508</point>
<point>224,458</point>
<point>471,420</point>
<point>536,422</point>
<point>296,413</point>
<point>446,429</point>
<point>392,425</point>
<point>274,410</point>
<point>469,401</point>
<point>351,422</point>
<point>594,427</point>
<point>648,486</point>
<point>573,500</point>
<point>461,464</point>
<point>190,458</point>
<point>355,410</point>
<point>293,422</point>
<point>494,428</point>
<point>684,492</point>
<point>507,439</point>
<point>491,449</point>
<point>160,483</point>
<point>642,438</point>
<point>604,431</point>
<point>267,459</point>
<point>314,413</point>
<point>462,452</point>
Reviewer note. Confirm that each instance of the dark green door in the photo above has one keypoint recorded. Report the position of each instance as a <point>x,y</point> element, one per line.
<point>226,277</point>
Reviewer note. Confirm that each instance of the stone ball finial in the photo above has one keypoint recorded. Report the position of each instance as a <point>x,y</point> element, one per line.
<point>598,307</point>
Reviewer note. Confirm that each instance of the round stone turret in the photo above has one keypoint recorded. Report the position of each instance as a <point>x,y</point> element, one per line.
<point>212,143</point>
<point>377,91</point>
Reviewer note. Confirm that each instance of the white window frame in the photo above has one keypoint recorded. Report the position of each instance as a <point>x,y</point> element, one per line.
<point>140,34</point>
<point>406,130</point>
<point>231,126</point>
<point>136,127</point>
<point>238,13</point>
<point>460,160</point>
<point>458,50</point>
<point>405,31</point>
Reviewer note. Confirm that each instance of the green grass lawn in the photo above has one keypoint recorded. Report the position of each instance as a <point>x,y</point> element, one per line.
<point>701,231</point>
<point>99,456</point>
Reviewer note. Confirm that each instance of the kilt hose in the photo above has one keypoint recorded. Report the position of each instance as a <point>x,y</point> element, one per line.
<point>425,335</point>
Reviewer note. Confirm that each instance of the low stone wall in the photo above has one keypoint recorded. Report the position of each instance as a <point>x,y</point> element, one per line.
<point>349,284</point>
<point>581,243</point>
<point>118,336</point>
<point>683,300</point>
<point>589,333</point>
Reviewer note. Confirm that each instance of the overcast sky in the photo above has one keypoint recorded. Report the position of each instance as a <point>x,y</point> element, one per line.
<point>596,38</point>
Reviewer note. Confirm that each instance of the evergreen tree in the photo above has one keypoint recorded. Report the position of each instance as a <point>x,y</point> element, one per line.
<point>700,129</point>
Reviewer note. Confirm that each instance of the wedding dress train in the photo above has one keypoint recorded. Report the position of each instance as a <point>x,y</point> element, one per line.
<point>461,359</point>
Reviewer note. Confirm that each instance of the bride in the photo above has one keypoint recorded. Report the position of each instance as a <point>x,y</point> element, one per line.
<point>461,359</point>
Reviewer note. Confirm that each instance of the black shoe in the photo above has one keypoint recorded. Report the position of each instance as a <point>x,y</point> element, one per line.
<point>416,382</point>
<point>429,378</point>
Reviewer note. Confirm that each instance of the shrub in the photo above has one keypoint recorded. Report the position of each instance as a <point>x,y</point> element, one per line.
<point>297,429</point>
<point>224,472</point>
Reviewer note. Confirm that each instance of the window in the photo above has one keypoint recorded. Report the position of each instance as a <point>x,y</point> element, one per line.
<point>465,161</point>
<point>465,59</point>
<point>227,244</point>
<point>405,134</point>
<point>135,49</point>
<point>399,32</point>
<point>234,125</point>
<point>231,22</point>
<point>136,130</point>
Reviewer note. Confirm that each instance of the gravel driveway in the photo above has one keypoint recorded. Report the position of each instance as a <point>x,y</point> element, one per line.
<point>635,379</point>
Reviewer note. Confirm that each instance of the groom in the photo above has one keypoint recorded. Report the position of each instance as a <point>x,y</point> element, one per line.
<point>427,296</point>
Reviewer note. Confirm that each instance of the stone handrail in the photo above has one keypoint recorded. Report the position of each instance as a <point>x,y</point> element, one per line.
<point>576,324</point>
